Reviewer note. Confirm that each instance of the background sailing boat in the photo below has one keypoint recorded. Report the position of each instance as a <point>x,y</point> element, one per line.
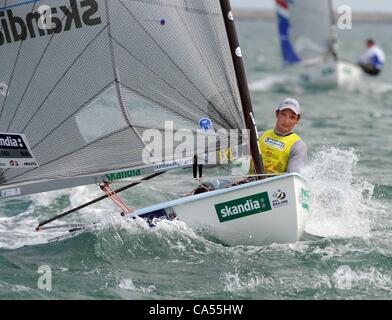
<point>308,42</point>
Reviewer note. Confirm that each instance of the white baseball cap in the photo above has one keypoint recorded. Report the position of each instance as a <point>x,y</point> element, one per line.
<point>290,103</point>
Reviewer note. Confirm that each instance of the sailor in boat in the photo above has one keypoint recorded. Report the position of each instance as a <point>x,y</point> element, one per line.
<point>372,60</point>
<point>282,150</point>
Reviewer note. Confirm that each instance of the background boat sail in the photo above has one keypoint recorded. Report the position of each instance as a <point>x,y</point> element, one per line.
<point>85,79</point>
<point>307,33</point>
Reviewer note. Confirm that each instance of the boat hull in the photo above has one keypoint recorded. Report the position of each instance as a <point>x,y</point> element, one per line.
<point>272,210</point>
<point>349,75</point>
<point>338,74</point>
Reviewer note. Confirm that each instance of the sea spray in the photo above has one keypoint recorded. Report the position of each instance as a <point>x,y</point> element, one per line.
<point>340,200</point>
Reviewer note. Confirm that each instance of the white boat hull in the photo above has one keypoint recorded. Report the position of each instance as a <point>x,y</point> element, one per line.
<point>338,74</point>
<point>272,210</point>
<point>349,75</point>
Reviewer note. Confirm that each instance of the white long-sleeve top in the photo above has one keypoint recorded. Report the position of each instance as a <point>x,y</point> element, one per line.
<point>374,56</point>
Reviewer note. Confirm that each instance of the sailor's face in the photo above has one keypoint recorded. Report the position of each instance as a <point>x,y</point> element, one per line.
<point>286,120</point>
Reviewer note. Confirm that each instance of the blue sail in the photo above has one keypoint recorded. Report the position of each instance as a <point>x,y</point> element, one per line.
<point>289,55</point>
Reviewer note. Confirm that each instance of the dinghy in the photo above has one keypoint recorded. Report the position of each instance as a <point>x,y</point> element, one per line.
<point>273,210</point>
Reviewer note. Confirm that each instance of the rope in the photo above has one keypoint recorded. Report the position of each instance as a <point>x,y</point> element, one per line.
<point>105,187</point>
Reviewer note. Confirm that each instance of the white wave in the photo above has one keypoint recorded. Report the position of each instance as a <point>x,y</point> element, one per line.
<point>19,230</point>
<point>371,87</point>
<point>20,288</point>
<point>345,278</point>
<point>45,199</point>
<point>233,282</point>
<point>127,284</point>
<point>277,82</point>
<point>100,211</point>
<point>340,200</point>
<point>334,251</point>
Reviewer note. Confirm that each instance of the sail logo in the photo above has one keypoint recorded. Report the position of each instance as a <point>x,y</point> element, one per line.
<point>123,175</point>
<point>11,142</point>
<point>15,151</point>
<point>243,207</point>
<point>10,193</point>
<point>205,124</point>
<point>16,28</point>
<point>172,164</point>
<point>275,143</point>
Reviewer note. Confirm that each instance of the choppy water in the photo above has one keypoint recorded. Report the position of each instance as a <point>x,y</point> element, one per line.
<point>348,136</point>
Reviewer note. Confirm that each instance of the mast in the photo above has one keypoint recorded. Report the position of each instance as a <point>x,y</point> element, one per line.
<point>242,85</point>
<point>333,32</point>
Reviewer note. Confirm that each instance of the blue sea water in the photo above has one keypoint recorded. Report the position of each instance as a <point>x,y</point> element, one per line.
<point>350,149</point>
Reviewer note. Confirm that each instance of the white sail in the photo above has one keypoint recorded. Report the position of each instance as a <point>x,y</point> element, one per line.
<point>306,30</point>
<point>83,80</point>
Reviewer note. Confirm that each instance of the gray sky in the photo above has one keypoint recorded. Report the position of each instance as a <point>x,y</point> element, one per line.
<point>356,5</point>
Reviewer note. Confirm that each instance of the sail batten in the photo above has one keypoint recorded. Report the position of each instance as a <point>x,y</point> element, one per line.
<point>41,61</point>
<point>175,90</point>
<point>181,72</point>
<point>61,78</point>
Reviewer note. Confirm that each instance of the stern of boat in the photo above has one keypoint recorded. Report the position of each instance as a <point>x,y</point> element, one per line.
<point>349,75</point>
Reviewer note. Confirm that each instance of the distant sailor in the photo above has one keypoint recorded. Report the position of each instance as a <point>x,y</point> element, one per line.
<point>283,150</point>
<point>373,59</point>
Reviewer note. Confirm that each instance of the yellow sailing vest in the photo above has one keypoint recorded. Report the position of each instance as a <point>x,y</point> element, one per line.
<point>275,150</point>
